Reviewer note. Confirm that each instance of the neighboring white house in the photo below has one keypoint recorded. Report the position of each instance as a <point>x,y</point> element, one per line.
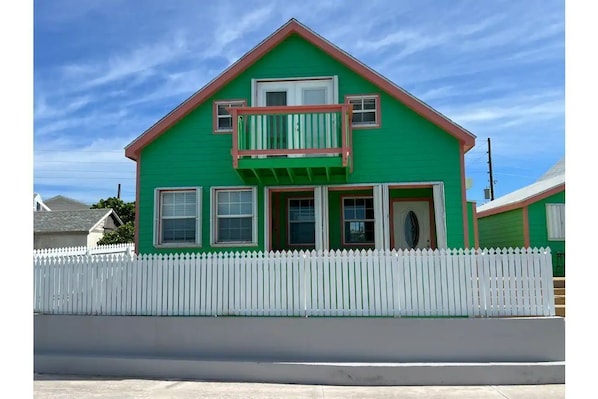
<point>83,227</point>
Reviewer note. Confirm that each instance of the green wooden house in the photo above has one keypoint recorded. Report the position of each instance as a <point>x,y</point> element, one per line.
<point>298,145</point>
<point>533,216</point>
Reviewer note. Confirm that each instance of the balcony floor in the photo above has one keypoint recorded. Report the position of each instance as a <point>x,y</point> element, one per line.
<point>293,170</point>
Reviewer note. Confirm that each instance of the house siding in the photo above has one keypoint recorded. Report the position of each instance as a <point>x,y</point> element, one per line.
<point>406,148</point>
<point>502,230</point>
<point>538,232</point>
<point>60,240</point>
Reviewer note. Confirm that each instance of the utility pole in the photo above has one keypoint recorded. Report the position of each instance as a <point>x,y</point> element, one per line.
<point>490,171</point>
<point>118,192</point>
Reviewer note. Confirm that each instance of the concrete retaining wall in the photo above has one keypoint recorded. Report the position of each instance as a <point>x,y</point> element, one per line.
<point>65,344</point>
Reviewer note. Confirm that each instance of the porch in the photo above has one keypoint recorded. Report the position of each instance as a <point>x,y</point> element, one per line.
<point>387,216</point>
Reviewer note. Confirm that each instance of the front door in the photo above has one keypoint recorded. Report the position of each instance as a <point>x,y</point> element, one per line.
<point>411,227</point>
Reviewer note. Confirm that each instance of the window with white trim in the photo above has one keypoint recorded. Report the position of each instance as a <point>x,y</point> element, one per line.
<point>302,221</point>
<point>223,121</point>
<point>555,221</point>
<point>178,221</point>
<point>235,220</point>
<point>358,220</point>
<point>366,110</point>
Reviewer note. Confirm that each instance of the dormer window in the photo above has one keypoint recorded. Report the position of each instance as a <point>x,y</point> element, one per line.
<point>223,121</point>
<point>366,111</point>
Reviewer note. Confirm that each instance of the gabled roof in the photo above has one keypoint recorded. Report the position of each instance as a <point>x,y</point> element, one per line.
<point>62,203</point>
<point>295,27</point>
<point>78,221</point>
<point>549,184</point>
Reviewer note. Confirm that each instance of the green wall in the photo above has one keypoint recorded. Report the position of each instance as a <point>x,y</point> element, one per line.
<point>502,230</point>
<point>506,230</point>
<point>538,232</point>
<point>470,223</point>
<point>406,148</point>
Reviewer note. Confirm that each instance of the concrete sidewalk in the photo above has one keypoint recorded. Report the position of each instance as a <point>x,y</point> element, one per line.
<point>63,387</point>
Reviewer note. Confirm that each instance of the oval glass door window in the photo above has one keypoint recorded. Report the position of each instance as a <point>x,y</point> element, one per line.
<point>411,229</point>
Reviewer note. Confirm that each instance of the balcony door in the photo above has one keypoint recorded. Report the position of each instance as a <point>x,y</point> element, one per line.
<point>293,130</point>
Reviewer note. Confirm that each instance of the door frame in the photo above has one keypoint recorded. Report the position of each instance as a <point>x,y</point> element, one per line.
<point>430,202</point>
<point>320,195</point>
<point>281,81</point>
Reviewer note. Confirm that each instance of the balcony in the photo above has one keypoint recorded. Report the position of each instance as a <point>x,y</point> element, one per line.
<point>291,144</point>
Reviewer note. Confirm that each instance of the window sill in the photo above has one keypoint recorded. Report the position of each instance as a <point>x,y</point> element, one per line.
<point>178,245</point>
<point>372,126</point>
<point>233,244</point>
<point>230,131</point>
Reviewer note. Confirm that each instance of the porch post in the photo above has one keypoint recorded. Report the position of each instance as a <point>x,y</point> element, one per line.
<point>267,224</point>
<point>325,219</point>
<point>381,215</point>
<point>439,215</point>
<point>318,217</point>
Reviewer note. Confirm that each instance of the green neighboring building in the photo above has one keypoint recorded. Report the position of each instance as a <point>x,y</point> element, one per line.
<point>298,145</point>
<point>533,216</point>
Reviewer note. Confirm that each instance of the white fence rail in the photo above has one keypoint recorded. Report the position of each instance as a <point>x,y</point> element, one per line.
<point>80,251</point>
<point>470,283</point>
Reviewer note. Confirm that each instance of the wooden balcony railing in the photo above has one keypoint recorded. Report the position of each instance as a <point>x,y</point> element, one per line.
<point>292,131</point>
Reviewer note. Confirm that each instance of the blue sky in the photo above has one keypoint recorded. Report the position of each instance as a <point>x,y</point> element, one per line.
<point>105,71</point>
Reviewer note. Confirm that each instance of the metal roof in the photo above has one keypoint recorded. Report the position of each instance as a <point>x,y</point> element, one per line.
<point>554,177</point>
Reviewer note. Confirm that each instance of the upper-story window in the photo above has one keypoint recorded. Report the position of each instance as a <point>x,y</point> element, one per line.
<point>366,111</point>
<point>223,121</point>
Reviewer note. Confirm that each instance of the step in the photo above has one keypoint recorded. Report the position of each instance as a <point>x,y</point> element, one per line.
<point>559,299</point>
<point>320,373</point>
<point>559,282</point>
<point>559,291</point>
<point>560,310</point>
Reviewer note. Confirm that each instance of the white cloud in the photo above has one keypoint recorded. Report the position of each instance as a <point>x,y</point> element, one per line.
<point>140,61</point>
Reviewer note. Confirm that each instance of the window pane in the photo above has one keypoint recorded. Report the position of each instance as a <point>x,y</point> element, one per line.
<point>222,109</point>
<point>302,233</point>
<point>225,122</point>
<point>356,104</point>
<point>314,96</point>
<point>359,232</point>
<point>369,103</point>
<point>179,204</point>
<point>235,203</point>
<point>178,230</point>
<point>274,98</point>
<point>235,229</point>
<point>301,210</point>
<point>369,117</point>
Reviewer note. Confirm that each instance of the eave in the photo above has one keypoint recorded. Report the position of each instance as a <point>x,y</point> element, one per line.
<point>522,203</point>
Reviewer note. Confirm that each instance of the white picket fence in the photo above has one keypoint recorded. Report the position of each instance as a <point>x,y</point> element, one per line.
<point>471,283</point>
<point>128,248</point>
